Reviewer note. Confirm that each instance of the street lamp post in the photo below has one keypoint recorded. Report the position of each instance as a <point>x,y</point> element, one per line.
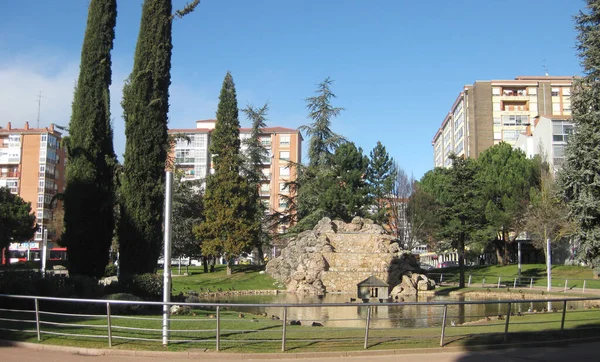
<point>167,257</point>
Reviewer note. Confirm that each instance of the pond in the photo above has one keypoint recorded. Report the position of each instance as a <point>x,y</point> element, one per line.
<point>397,316</point>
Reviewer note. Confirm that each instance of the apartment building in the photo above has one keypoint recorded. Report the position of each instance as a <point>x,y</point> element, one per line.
<point>488,112</point>
<point>547,135</point>
<point>32,165</point>
<point>191,155</point>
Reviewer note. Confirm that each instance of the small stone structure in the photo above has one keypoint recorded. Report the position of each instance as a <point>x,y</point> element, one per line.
<point>372,288</point>
<point>336,256</point>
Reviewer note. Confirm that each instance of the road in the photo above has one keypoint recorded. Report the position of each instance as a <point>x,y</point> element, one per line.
<point>588,351</point>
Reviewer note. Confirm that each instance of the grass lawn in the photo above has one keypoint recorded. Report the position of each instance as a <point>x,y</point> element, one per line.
<point>243,277</point>
<point>573,274</point>
<point>255,333</point>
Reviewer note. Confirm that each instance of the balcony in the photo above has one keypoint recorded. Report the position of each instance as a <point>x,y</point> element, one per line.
<point>10,174</point>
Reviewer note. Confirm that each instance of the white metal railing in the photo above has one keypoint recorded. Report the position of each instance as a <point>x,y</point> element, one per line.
<point>101,325</point>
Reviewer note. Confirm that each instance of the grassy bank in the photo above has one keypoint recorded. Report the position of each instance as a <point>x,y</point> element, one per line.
<point>244,277</point>
<point>574,275</point>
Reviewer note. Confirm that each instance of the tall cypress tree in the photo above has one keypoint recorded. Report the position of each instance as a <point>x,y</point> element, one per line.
<point>230,225</point>
<point>89,194</point>
<point>578,179</point>
<point>145,106</point>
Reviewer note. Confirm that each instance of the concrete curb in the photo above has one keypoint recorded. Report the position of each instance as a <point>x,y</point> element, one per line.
<point>196,354</point>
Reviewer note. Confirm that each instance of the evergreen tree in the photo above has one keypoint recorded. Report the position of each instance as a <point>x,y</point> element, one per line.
<point>579,181</point>
<point>381,176</point>
<point>17,222</point>
<point>308,187</point>
<point>257,157</point>
<point>145,107</point>
<point>506,177</point>
<point>89,192</point>
<point>231,226</point>
<point>323,141</point>
<point>458,205</point>
<point>346,192</point>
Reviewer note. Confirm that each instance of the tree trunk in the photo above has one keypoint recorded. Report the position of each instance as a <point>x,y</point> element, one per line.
<point>261,256</point>
<point>205,264</point>
<point>498,248</point>
<point>229,265</point>
<point>461,262</point>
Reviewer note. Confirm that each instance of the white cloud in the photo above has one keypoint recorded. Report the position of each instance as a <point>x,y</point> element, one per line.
<point>19,93</point>
<point>22,79</point>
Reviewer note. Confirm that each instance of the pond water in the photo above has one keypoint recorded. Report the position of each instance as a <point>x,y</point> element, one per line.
<point>354,314</point>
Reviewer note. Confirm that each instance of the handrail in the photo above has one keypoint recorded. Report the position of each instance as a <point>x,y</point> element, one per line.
<point>218,334</point>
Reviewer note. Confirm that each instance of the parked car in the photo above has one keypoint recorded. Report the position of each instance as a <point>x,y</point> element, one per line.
<point>448,264</point>
<point>424,266</point>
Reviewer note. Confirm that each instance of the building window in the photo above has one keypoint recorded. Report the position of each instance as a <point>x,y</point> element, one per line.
<point>284,171</point>
<point>555,92</point>
<point>283,187</point>
<point>510,135</point>
<point>265,141</point>
<point>515,120</point>
<point>555,108</point>
<point>283,203</point>
<point>264,188</point>
<point>284,155</point>
<point>284,140</point>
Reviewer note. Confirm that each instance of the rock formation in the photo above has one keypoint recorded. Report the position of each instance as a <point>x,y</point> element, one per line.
<point>336,256</point>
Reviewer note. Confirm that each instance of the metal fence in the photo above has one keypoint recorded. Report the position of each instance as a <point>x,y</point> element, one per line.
<point>499,281</point>
<point>285,326</point>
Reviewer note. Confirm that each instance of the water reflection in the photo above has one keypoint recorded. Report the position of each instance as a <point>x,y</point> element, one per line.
<point>354,315</point>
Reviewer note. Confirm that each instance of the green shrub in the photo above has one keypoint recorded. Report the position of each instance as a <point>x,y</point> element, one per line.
<point>110,270</point>
<point>126,308</point>
<point>145,286</point>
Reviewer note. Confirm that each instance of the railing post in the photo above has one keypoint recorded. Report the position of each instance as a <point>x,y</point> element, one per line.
<point>444,325</point>
<point>531,283</point>
<point>469,280</point>
<point>499,279</point>
<point>507,321</point>
<point>218,329</point>
<point>515,283</point>
<point>283,331</point>
<point>367,327</point>
<point>37,319</point>
<point>109,324</point>
<point>583,291</point>
<point>566,282</point>
<point>441,278</point>
<point>562,322</point>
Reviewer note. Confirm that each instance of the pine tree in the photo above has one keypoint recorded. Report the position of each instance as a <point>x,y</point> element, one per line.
<point>89,192</point>
<point>346,192</point>
<point>309,185</point>
<point>579,181</point>
<point>145,106</point>
<point>381,177</point>
<point>231,226</point>
<point>323,141</point>
<point>255,160</point>
<point>506,177</point>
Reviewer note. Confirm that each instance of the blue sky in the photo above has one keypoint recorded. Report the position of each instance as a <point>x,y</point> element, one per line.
<point>397,65</point>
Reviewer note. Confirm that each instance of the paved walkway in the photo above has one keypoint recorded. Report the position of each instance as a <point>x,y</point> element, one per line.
<point>588,351</point>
